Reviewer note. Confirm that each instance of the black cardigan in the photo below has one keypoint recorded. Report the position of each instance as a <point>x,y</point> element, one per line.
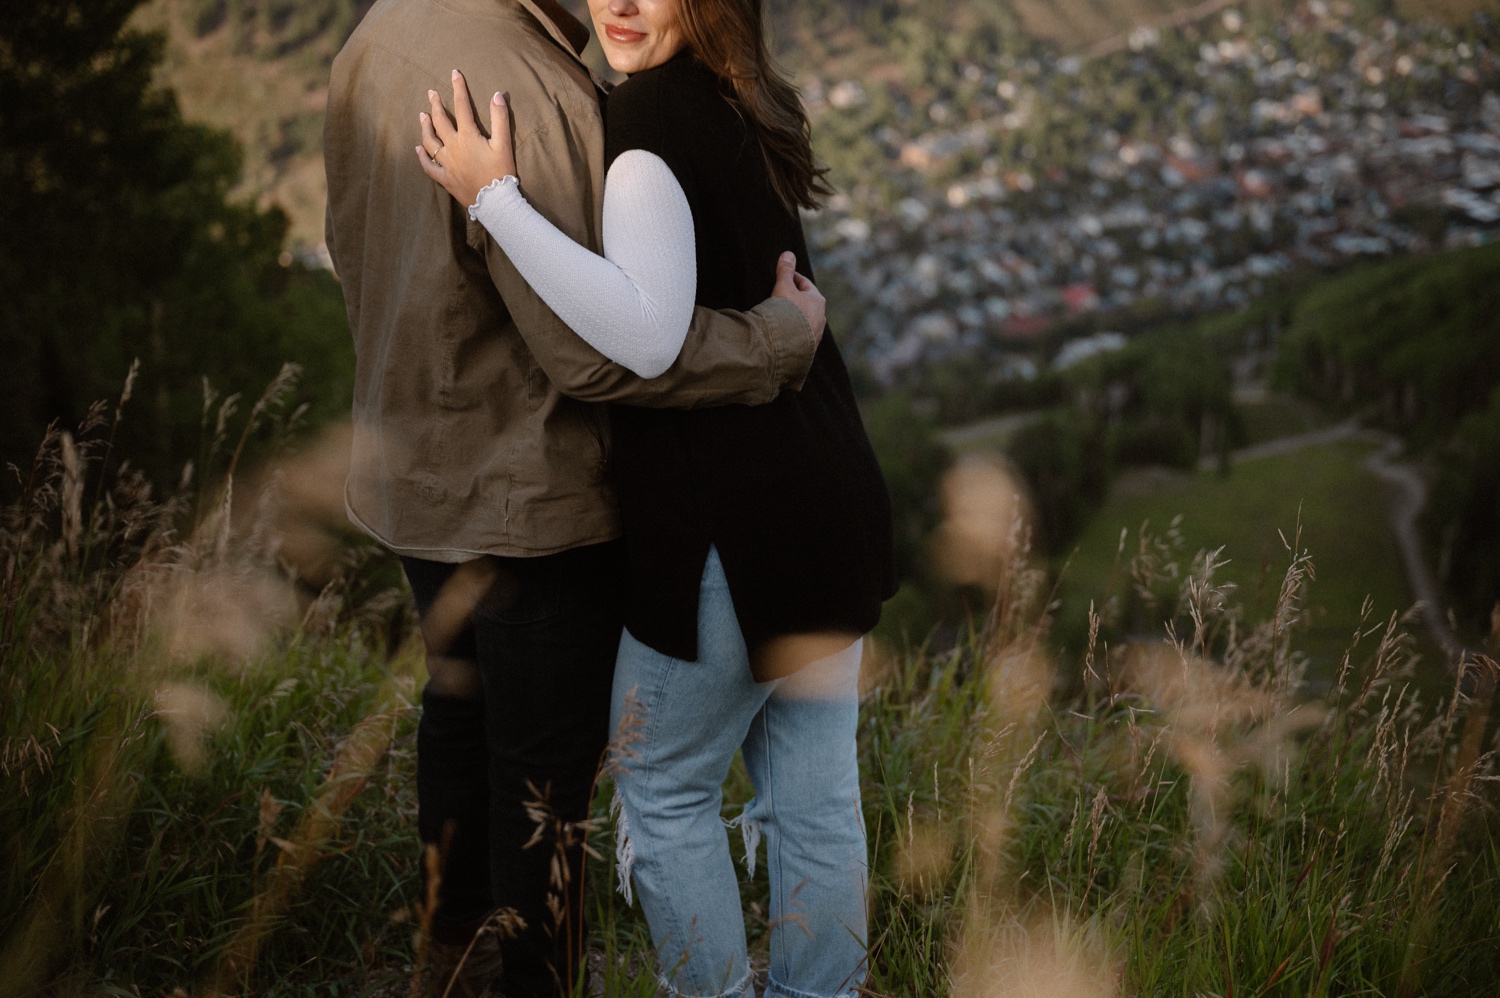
<point>789,492</point>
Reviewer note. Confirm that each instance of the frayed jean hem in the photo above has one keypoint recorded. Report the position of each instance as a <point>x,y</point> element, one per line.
<point>775,987</point>
<point>737,991</point>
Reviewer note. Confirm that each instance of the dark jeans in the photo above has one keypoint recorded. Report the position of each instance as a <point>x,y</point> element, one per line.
<point>543,635</point>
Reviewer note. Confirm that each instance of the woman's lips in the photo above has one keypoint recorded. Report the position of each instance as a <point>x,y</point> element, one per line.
<point>622,35</point>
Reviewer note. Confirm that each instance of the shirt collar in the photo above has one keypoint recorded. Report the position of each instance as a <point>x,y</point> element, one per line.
<point>564,28</point>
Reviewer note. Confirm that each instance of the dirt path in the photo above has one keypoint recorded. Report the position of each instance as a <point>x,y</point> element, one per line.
<point>1408,492</point>
<point>1286,445</point>
<point>994,431</point>
<point>1408,496</point>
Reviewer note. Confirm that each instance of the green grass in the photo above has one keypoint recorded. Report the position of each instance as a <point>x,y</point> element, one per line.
<point>188,803</point>
<point>1275,417</point>
<point>1253,514</point>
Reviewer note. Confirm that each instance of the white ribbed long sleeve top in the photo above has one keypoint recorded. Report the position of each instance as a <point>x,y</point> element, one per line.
<point>635,303</point>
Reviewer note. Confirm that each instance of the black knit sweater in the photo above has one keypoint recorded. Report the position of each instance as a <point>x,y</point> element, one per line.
<point>789,492</point>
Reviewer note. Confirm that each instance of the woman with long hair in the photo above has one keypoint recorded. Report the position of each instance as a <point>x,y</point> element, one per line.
<point>759,537</point>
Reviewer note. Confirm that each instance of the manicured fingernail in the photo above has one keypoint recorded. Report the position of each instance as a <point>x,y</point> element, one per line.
<point>432,93</point>
<point>421,115</point>
<point>498,98</point>
<point>455,74</point>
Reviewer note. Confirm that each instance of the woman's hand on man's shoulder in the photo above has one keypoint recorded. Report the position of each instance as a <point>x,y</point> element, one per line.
<point>455,153</point>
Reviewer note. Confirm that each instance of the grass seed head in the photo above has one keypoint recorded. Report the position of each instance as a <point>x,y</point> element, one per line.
<point>985,514</point>
<point>1052,956</point>
<point>923,860</point>
<point>233,613</point>
<point>190,713</point>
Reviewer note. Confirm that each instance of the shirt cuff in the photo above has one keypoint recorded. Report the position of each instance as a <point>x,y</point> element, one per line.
<point>507,185</point>
<point>792,342</point>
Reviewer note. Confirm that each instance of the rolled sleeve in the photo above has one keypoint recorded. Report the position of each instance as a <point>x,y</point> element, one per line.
<point>792,342</point>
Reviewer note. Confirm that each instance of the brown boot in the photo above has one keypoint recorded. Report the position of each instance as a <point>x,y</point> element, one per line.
<point>469,976</point>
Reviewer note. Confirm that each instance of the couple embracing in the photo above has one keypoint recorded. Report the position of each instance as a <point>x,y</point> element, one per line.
<point>595,411</point>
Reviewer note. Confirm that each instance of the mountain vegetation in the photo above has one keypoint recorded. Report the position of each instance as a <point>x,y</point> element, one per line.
<point>122,244</point>
<point>1415,346</point>
<point>1415,342</point>
<point>207,781</point>
<point>259,68</point>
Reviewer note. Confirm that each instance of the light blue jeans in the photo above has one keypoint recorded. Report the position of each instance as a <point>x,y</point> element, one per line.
<point>677,726</point>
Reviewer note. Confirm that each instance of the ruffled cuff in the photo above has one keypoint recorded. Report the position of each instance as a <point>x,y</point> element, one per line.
<point>492,186</point>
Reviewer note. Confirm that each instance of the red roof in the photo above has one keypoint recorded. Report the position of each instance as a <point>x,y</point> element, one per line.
<point>1080,297</point>
<point>1024,327</point>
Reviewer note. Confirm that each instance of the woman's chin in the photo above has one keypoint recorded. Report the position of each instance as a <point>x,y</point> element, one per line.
<point>630,59</point>
<point>631,62</point>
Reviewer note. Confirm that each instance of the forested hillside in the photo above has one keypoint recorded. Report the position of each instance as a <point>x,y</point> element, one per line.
<point>121,244</point>
<point>259,68</point>
<point>1415,346</point>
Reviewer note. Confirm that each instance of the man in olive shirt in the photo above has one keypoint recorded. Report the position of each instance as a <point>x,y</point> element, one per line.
<point>480,445</point>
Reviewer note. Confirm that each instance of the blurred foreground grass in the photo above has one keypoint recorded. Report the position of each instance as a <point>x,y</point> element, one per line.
<point>207,777</point>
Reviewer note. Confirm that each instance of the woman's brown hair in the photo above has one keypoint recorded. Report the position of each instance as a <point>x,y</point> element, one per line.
<point>728,37</point>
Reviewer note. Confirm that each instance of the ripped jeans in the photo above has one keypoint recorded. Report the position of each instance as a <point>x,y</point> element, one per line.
<point>680,724</point>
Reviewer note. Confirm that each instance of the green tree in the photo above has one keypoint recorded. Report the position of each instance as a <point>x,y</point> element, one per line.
<point>1462,518</point>
<point>1064,459</point>
<point>1416,341</point>
<point>1167,397</point>
<point>118,241</point>
<point>913,460</point>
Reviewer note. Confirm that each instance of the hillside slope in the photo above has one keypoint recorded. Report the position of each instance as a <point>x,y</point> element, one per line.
<point>259,68</point>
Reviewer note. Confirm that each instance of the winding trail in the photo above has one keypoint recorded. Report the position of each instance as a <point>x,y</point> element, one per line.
<point>1346,430</point>
<point>1406,488</point>
<point>995,430</point>
<point>1408,494</point>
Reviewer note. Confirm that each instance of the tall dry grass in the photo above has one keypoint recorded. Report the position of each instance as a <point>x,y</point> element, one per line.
<point>207,765</point>
<point>1192,818</point>
<point>142,636</point>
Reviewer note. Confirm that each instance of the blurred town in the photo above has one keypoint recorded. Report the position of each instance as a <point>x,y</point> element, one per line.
<point>1158,175</point>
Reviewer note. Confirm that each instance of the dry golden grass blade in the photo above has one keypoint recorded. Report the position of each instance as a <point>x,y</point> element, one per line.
<point>89,827</point>
<point>456,600</point>
<point>1214,720</point>
<point>985,516</point>
<point>231,613</point>
<point>72,496</point>
<point>1020,681</point>
<point>924,858</point>
<point>361,750</point>
<point>1052,956</point>
<point>302,523</point>
<point>270,812</point>
<point>190,712</point>
<point>1453,799</point>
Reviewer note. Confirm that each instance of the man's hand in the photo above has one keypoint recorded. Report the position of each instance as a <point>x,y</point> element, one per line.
<point>801,292</point>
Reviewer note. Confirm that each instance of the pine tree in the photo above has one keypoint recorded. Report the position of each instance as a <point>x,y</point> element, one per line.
<point>118,240</point>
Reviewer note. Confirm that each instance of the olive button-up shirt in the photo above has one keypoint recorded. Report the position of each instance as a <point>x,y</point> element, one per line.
<point>479,426</point>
